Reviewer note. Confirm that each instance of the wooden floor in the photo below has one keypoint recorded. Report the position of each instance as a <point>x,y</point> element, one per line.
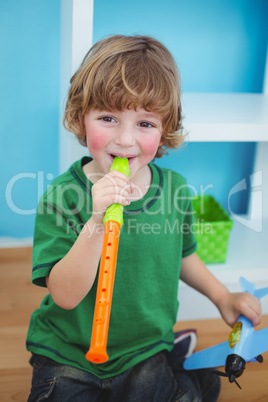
<point>18,298</point>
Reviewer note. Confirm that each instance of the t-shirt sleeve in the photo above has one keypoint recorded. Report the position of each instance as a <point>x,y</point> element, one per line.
<point>54,235</point>
<point>189,240</point>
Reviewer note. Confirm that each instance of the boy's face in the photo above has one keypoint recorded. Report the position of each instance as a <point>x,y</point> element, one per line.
<point>131,134</point>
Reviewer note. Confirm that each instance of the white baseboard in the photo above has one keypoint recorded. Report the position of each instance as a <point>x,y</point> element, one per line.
<point>9,242</point>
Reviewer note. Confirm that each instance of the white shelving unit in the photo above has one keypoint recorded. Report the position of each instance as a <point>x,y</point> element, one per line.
<point>226,116</point>
<point>233,117</point>
<point>76,40</point>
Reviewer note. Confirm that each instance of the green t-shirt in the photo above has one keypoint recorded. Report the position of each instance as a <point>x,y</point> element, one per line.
<point>156,234</point>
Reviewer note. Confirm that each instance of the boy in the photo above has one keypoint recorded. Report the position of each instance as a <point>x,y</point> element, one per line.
<point>124,101</point>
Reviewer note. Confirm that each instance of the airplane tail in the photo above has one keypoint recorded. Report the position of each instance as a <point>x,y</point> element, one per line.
<point>250,288</point>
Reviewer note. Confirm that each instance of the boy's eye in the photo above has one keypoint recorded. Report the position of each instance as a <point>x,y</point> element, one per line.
<point>146,124</point>
<point>107,119</point>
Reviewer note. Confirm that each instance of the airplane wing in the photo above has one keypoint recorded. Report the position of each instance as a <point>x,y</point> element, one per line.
<point>211,357</point>
<point>261,293</point>
<point>246,285</point>
<point>250,288</point>
<point>256,344</point>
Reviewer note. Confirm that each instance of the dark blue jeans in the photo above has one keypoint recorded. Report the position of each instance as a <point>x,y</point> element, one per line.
<point>156,379</point>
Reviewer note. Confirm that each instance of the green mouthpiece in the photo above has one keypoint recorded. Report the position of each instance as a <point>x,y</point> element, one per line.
<point>115,211</point>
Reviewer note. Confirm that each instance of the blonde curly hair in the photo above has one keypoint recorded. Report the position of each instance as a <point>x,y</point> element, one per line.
<point>122,72</point>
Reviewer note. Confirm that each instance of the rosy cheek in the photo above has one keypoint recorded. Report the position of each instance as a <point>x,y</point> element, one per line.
<point>150,145</point>
<point>96,140</point>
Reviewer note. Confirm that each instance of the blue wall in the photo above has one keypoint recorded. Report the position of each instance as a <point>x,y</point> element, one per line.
<point>214,168</point>
<point>219,45</point>
<point>29,105</point>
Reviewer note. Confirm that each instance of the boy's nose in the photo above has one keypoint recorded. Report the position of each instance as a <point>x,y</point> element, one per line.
<point>125,137</point>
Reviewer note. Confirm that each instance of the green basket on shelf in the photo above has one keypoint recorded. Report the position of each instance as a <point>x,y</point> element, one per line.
<point>212,226</point>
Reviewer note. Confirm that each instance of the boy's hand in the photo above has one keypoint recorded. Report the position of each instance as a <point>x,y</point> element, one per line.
<point>232,305</point>
<point>114,187</point>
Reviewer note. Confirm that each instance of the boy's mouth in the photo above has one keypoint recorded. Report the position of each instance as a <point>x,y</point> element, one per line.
<point>129,157</point>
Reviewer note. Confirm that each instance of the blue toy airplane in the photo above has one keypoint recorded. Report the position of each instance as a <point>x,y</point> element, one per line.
<point>244,345</point>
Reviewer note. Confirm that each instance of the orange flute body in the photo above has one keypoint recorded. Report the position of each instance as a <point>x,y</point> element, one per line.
<point>97,352</point>
<point>113,220</point>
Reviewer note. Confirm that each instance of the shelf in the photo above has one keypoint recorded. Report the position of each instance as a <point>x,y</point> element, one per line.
<point>225,117</point>
<point>247,254</point>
